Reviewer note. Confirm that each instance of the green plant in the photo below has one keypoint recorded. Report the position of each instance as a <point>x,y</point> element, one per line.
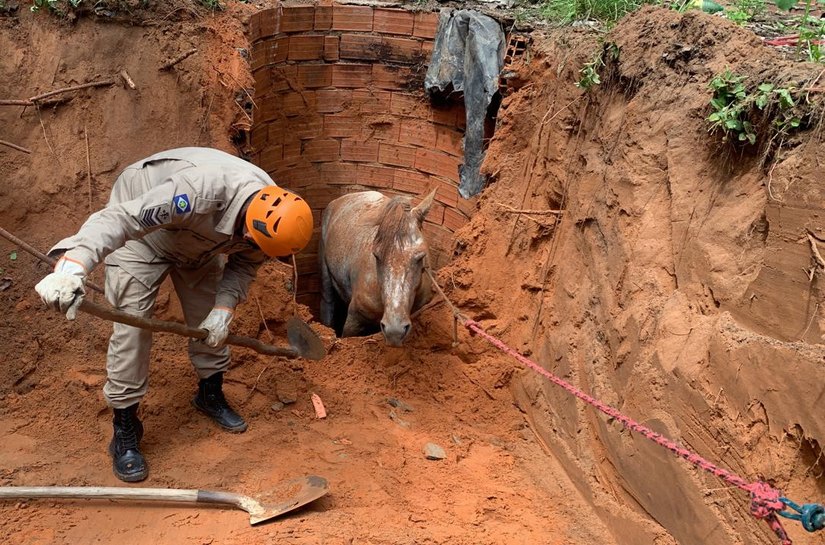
<point>589,73</point>
<point>811,30</point>
<point>606,11</point>
<point>741,114</point>
<point>214,5</point>
<point>744,11</point>
<point>54,6</point>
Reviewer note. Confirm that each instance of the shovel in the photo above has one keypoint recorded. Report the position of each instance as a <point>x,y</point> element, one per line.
<point>304,343</point>
<point>285,497</point>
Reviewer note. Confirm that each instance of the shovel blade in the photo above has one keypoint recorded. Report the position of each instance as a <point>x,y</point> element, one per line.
<point>289,496</point>
<point>305,341</point>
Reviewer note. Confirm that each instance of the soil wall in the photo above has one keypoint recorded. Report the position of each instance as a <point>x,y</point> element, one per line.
<point>674,284</point>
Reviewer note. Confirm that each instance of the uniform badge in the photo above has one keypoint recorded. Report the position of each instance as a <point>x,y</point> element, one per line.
<point>156,215</point>
<point>181,203</point>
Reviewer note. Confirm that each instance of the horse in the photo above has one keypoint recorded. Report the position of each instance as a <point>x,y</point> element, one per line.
<point>372,255</point>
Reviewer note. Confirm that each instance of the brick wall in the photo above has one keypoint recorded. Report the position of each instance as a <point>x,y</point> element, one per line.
<point>341,108</point>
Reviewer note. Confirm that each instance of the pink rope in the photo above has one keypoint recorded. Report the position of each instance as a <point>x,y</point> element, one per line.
<point>765,501</point>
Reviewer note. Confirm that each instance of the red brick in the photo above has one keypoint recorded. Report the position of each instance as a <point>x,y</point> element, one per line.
<point>402,50</point>
<point>410,181</point>
<point>467,206</point>
<point>418,132</point>
<point>270,156</point>
<point>267,23</point>
<point>331,49</point>
<point>259,136</point>
<point>362,47</point>
<point>297,18</point>
<point>409,105</point>
<point>284,77</point>
<point>393,21</point>
<point>314,75</point>
<point>298,177</point>
<point>332,100</point>
<point>372,176</point>
<point>367,101</point>
<point>305,127</point>
<point>310,283</point>
<point>449,141</point>
<point>339,126</point>
<point>359,151</point>
<point>435,162</point>
<point>338,173</point>
<point>443,115</point>
<point>263,81</point>
<point>255,26</point>
<point>293,104</point>
<point>436,213</point>
<point>426,49</point>
<point>268,110</point>
<point>380,127</point>
<point>270,51</point>
<point>318,197</point>
<point>447,193</point>
<point>292,152</point>
<point>275,131</point>
<point>351,75</point>
<point>425,25</point>
<point>352,18</point>
<point>453,219</point>
<point>321,150</point>
<point>400,156</point>
<point>391,76</point>
<point>323,17</point>
<point>306,48</point>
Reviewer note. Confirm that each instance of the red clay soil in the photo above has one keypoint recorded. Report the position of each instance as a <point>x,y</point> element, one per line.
<point>671,286</point>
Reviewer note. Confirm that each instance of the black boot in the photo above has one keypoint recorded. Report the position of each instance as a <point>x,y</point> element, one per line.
<point>210,401</point>
<point>127,461</point>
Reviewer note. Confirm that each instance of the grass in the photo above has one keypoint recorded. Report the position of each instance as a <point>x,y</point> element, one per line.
<point>564,12</point>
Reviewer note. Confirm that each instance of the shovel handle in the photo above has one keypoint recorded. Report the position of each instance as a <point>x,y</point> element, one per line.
<point>152,324</point>
<point>123,493</point>
<point>149,323</point>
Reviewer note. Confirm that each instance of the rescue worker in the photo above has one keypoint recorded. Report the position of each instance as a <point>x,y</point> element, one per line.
<point>208,220</point>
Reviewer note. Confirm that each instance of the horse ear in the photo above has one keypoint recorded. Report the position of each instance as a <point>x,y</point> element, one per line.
<point>423,207</point>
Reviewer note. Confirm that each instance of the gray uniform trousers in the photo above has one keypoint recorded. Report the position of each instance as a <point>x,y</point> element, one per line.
<point>132,286</point>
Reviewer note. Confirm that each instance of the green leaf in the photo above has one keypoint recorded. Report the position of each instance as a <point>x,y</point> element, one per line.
<point>795,121</point>
<point>752,138</point>
<point>785,5</point>
<point>766,87</point>
<point>13,255</point>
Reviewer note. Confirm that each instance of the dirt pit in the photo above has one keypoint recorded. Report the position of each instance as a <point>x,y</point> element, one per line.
<point>674,284</point>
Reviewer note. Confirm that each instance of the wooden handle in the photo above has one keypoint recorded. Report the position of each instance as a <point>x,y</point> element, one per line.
<point>102,492</point>
<point>152,324</point>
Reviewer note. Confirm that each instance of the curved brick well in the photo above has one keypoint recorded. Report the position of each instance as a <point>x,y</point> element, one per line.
<point>341,107</point>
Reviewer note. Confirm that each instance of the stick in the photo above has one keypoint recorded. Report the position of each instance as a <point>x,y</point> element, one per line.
<point>150,323</point>
<point>15,146</point>
<point>88,169</point>
<point>101,83</point>
<point>511,210</point>
<point>10,102</point>
<point>817,255</point>
<point>125,75</point>
<point>294,286</point>
<point>178,59</point>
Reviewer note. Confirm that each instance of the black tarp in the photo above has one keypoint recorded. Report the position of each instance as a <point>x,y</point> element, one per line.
<point>467,57</point>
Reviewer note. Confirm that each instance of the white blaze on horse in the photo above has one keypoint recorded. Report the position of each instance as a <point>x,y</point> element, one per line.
<point>372,254</point>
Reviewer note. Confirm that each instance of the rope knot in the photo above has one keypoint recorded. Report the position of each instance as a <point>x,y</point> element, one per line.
<point>765,500</point>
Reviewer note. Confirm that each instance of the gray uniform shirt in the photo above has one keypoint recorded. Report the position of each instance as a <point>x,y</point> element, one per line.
<point>183,206</point>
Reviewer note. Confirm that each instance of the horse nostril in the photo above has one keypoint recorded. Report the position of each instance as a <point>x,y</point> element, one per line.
<point>383,328</point>
<point>406,329</point>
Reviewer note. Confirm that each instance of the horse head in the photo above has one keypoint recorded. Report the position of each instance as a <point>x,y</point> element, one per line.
<point>400,250</point>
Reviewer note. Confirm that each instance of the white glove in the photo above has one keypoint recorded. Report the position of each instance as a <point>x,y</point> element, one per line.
<point>63,289</point>
<point>217,324</point>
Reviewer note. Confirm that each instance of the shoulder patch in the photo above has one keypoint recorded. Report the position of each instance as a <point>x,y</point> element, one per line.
<point>181,203</point>
<point>156,215</point>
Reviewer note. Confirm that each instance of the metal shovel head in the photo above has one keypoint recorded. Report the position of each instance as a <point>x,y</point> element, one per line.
<point>305,341</point>
<point>288,496</point>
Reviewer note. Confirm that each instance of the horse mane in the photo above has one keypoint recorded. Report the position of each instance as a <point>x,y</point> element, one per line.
<point>393,226</point>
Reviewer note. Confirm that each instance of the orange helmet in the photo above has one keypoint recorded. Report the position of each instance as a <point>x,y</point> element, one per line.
<point>279,221</point>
